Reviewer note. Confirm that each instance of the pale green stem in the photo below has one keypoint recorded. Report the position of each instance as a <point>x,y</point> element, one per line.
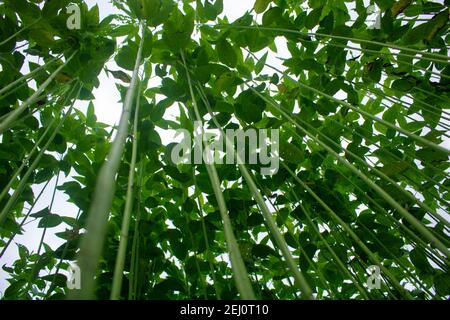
<point>279,240</point>
<point>35,271</point>
<point>27,76</point>
<point>417,282</point>
<point>302,251</point>
<point>411,219</point>
<point>120,259</point>
<point>12,200</point>
<point>208,252</point>
<point>28,158</point>
<point>66,247</point>
<point>382,175</point>
<point>10,240</point>
<point>239,271</point>
<point>412,235</point>
<point>369,253</point>
<point>133,262</point>
<point>8,121</point>
<point>92,242</point>
<point>368,115</point>
<point>333,253</point>
<point>19,32</point>
<point>430,56</point>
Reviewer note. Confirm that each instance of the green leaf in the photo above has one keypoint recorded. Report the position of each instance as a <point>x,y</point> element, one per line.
<point>394,168</point>
<point>171,89</point>
<point>177,30</point>
<point>226,53</point>
<point>291,153</point>
<point>415,35</point>
<point>224,82</point>
<point>261,5</point>
<point>442,284</point>
<point>91,118</point>
<point>261,64</point>
<point>58,279</point>
<point>42,213</point>
<point>431,155</point>
<point>249,106</point>
<point>50,221</point>
<point>126,57</point>
<point>401,85</point>
<point>420,261</point>
<point>263,251</point>
<point>313,18</point>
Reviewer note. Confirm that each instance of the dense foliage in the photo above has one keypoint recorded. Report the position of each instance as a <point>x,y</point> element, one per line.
<point>363,179</point>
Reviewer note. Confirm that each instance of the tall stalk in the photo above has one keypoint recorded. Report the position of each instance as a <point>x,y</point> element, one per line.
<point>27,76</point>
<point>8,121</point>
<point>367,114</point>
<point>19,32</point>
<point>381,175</point>
<point>93,240</point>
<point>35,271</point>
<point>30,155</point>
<point>63,255</point>
<point>341,265</point>
<point>347,228</point>
<point>279,240</point>
<point>22,223</point>
<point>429,56</point>
<point>121,253</point>
<point>408,216</point>
<point>240,274</point>
<point>17,192</point>
<point>132,278</point>
<point>209,257</point>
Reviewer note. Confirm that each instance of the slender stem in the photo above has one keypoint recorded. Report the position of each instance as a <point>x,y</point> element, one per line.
<point>63,255</point>
<point>134,255</point>
<point>368,115</point>
<point>22,223</point>
<point>433,255</point>
<point>8,121</point>
<point>120,259</point>
<point>380,174</point>
<point>239,270</point>
<point>19,32</point>
<point>350,232</point>
<point>302,251</point>
<point>409,217</point>
<point>30,155</point>
<point>35,270</point>
<point>430,56</point>
<point>333,253</point>
<point>279,240</point>
<point>208,252</point>
<point>93,240</point>
<point>197,266</point>
<point>27,76</point>
<point>12,200</point>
